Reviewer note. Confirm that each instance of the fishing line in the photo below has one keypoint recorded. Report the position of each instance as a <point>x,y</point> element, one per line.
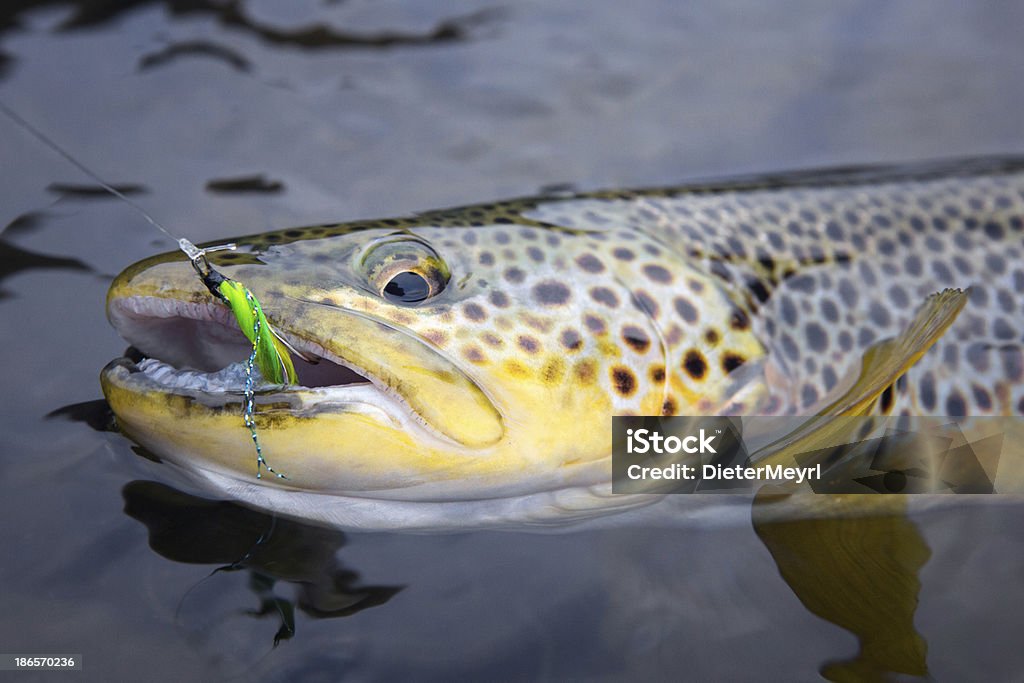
<point>270,353</point>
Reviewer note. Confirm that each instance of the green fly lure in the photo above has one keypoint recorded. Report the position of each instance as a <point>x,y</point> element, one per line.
<point>269,352</point>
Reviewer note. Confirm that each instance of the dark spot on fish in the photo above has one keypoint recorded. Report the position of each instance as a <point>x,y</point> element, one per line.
<point>995,263</point>
<point>551,293</point>
<point>789,313</point>
<point>847,293</point>
<point>789,346</point>
<point>994,230</point>
<point>492,339</point>
<point>731,361</point>
<point>1002,329</point>
<point>927,388</point>
<point>829,311</point>
<point>474,312</point>
<point>436,337</point>
<point>636,338</point>
<point>528,344</point>
<point>658,374</point>
<point>694,364</point>
<point>828,376</point>
<point>981,397</point>
<point>955,405</point>
<point>942,273</point>
<point>879,314</point>
<point>486,258</point>
<point>808,395</point>
<point>899,296</point>
<point>473,354</point>
<point>535,254</point>
<point>1013,363</point>
<point>624,254</point>
<point>594,324</point>
<point>623,380</point>
<point>759,290</point>
<point>498,298</point>
<point>711,337</point>
<point>586,371</point>
<point>643,302</point>
<point>912,264</point>
<point>658,273</point>
<point>685,309</point>
<point>817,338</point>
<point>515,275</point>
<point>885,400</point>
<point>739,320</point>
<point>552,371</point>
<point>867,273</point>
<point>720,270</point>
<point>571,340</point>
<point>605,296</point>
<point>590,263</point>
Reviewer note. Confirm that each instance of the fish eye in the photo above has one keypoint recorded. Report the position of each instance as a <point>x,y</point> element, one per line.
<point>404,269</point>
<point>407,287</point>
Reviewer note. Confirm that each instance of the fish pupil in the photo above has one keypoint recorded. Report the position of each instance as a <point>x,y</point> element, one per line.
<point>407,287</point>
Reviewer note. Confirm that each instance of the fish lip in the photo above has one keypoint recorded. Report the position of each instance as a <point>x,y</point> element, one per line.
<point>369,396</point>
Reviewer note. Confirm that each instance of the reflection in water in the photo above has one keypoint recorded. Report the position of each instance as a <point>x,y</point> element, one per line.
<point>96,413</point>
<point>195,48</point>
<point>858,572</point>
<point>80,191</point>
<point>232,14</point>
<point>14,260</point>
<point>251,183</point>
<point>194,530</point>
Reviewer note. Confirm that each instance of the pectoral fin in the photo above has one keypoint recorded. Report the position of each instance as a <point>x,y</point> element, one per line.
<point>882,365</point>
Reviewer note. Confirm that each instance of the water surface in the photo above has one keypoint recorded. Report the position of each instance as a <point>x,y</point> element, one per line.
<point>238,117</point>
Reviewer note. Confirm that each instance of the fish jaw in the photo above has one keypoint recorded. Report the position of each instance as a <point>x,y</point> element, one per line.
<point>407,422</point>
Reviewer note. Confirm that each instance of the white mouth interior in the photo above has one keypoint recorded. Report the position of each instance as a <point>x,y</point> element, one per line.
<point>199,347</point>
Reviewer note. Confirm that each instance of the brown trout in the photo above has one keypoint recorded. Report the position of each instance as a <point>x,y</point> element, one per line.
<point>466,362</point>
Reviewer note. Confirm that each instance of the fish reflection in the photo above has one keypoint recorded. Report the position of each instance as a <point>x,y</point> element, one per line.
<point>193,530</point>
<point>858,570</point>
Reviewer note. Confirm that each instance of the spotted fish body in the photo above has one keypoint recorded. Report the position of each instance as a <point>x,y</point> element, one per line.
<point>548,315</point>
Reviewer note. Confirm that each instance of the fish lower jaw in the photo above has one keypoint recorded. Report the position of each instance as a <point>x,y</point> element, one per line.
<point>225,389</point>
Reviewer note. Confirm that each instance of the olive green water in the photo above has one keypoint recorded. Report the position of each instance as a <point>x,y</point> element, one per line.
<point>233,118</point>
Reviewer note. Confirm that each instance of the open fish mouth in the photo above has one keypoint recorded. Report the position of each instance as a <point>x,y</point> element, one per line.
<point>196,348</point>
<point>188,347</point>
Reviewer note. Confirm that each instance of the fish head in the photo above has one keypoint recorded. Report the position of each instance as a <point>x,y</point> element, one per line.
<point>440,357</point>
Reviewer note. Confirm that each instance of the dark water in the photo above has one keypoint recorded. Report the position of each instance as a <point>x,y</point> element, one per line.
<point>235,117</point>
